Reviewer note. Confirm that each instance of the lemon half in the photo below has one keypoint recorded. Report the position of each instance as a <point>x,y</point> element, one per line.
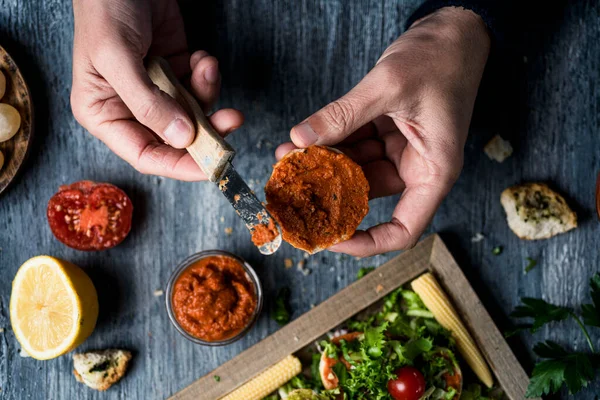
<point>53,307</point>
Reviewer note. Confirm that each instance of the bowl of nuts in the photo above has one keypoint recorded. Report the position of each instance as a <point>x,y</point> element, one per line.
<point>16,119</point>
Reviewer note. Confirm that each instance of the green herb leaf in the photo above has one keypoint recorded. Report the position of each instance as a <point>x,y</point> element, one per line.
<point>314,371</point>
<point>531,264</point>
<point>547,377</point>
<point>541,312</point>
<point>364,271</point>
<point>281,310</point>
<point>451,393</point>
<point>591,312</point>
<point>579,372</point>
<point>374,340</point>
<point>497,250</point>
<point>574,370</point>
<point>217,378</point>
<point>471,392</point>
<point>516,330</point>
<point>549,349</point>
<point>341,372</point>
<point>103,366</point>
<point>329,349</point>
<point>411,350</point>
<point>416,347</point>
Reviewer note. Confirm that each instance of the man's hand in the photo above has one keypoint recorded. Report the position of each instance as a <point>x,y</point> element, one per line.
<point>113,97</point>
<point>406,123</point>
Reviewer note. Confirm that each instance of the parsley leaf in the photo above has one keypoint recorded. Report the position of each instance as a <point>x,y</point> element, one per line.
<point>591,312</point>
<point>549,349</point>
<point>531,263</point>
<point>281,310</point>
<point>547,377</point>
<point>541,312</point>
<point>575,370</point>
<point>364,271</point>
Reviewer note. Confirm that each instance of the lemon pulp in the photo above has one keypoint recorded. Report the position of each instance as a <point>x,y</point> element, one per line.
<point>53,307</point>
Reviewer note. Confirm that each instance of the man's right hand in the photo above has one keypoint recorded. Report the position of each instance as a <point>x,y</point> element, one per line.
<point>113,97</point>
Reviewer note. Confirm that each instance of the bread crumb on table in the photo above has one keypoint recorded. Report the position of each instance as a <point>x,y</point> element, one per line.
<point>478,237</point>
<point>100,369</point>
<point>302,268</point>
<point>288,263</point>
<point>498,149</point>
<point>158,293</point>
<point>228,230</point>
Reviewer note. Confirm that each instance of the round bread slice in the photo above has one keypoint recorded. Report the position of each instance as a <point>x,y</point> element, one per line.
<point>319,197</point>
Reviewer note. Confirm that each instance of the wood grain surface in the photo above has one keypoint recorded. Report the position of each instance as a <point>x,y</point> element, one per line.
<point>429,255</point>
<point>17,95</point>
<point>281,60</point>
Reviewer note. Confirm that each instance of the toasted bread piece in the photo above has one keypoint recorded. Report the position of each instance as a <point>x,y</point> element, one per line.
<point>498,149</point>
<point>319,196</point>
<point>100,369</point>
<point>534,211</point>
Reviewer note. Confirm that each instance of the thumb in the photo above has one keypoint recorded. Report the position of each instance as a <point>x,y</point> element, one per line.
<point>158,111</point>
<point>339,119</point>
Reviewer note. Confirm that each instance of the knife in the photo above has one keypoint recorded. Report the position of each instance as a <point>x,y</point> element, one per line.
<point>214,156</point>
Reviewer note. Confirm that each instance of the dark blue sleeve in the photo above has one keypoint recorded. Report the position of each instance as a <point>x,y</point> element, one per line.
<point>494,14</point>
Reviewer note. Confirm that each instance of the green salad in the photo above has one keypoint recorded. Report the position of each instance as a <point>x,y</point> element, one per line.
<point>399,353</point>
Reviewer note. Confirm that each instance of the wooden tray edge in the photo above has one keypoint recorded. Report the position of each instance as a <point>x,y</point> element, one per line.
<point>502,361</point>
<point>430,254</point>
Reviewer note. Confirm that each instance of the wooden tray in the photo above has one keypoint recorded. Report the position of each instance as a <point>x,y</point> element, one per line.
<point>429,255</point>
<point>17,95</point>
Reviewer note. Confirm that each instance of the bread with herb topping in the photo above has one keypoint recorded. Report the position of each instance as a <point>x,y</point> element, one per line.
<point>100,369</point>
<point>534,211</point>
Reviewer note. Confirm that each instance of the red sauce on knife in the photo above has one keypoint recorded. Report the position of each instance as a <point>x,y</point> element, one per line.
<point>263,234</point>
<point>214,299</point>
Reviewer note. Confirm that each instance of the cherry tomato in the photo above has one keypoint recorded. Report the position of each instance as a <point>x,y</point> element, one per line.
<point>408,385</point>
<point>90,216</point>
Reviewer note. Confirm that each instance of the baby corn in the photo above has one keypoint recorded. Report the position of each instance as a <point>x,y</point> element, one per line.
<point>267,382</point>
<point>438,303</point>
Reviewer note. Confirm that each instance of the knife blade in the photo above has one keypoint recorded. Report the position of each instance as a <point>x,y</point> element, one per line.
<point>247,206</point>
<point>213,155</point>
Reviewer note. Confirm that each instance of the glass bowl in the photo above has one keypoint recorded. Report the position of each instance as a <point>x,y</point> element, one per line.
<point>250,274</point>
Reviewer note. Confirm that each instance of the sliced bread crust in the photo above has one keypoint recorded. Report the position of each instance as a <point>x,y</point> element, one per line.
<point>101,369</point>
<point>534,211</point>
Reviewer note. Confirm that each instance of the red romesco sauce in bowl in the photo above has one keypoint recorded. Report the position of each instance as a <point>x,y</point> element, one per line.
<point>214,299</point>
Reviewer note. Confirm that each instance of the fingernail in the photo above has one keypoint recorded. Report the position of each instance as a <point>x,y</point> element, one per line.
<point>303,135</point>
<point>178,133</point>
<point>212,74</point>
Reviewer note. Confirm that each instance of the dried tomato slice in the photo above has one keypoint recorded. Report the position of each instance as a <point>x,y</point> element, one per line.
<point>90,216</point>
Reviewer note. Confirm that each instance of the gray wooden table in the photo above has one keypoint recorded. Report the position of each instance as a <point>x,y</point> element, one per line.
<point>281,60</point>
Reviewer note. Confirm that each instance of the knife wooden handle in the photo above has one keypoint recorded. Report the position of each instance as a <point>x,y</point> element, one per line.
<point>208,149</point>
